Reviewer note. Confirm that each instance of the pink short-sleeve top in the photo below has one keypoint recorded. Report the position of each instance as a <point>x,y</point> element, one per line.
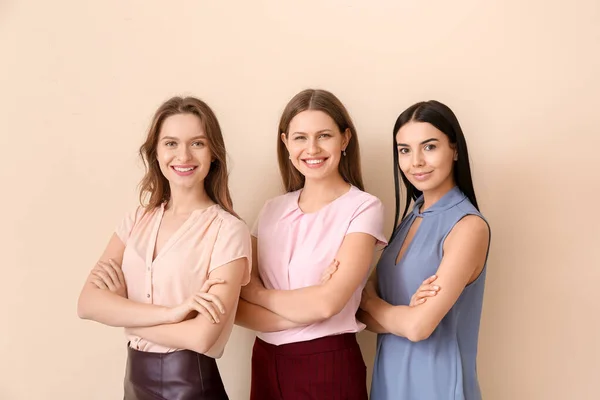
<point>208,239</point>
<point>294,248</point>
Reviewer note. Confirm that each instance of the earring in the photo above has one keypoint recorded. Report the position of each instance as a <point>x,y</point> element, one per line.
<point>456,157</point>
<point>344,152</point>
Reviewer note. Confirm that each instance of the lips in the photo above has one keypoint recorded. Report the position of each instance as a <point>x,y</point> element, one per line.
<point>314,162</point>
<point>421,176</point>
<point>184,170</point>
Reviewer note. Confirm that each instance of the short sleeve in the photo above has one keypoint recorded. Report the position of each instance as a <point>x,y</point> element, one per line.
<point>233,242</point>
<point>125,227</point>
<point>368,219</point>
<point>254,230</point>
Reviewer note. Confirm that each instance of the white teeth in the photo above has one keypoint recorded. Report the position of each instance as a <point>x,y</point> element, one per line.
<point>313,162</point>
<point>183,169</point>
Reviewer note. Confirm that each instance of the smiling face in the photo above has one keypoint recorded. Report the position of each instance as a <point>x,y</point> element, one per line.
<point>315,144</point>
<point>426,156</point>
<point>183,152</point>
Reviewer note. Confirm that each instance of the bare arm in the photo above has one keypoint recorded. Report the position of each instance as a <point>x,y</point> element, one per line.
<point>255,317</point>
<point>370,322</point>
<point>317,303</point>
<point>465,250</point>
<point>199,334</point>
<point>109,308</point>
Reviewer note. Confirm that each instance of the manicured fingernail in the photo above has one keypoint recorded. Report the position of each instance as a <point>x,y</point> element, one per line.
<point>436,287</point>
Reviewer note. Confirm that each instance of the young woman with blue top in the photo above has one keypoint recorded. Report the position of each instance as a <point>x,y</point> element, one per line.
<point>429,352</point>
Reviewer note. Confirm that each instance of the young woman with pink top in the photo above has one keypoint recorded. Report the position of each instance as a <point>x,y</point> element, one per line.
<point>172,271</point>
<point>313,248</point>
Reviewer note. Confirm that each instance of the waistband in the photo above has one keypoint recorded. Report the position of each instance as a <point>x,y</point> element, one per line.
<point>320,345</point>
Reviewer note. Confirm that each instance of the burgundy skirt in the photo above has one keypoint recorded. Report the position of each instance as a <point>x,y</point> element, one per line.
<point>329,368</point>
<point>180,375</point>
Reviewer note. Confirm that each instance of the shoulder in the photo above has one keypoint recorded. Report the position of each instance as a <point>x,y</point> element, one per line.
<point>231,224</point>
<point>139,213</point>
<point>361,200</point>
<point>472,229</point>
<point>280,204</point>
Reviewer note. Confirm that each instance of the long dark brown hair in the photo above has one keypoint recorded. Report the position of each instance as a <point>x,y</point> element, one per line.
<point>154,187</point>
<point>320,100</point>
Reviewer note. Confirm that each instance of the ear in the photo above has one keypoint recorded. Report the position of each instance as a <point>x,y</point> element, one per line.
<point>284,139</point>
<point>346,136</point>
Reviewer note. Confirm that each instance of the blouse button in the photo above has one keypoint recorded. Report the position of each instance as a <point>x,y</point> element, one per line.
<point>148,295</point>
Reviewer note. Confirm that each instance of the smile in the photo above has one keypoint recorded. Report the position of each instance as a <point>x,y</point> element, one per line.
<point>422,176</point>
<point>184,170</point>
<point>314,162</point>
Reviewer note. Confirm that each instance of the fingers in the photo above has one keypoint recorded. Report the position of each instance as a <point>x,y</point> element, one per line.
<point>424,291</point>
<point>103,275</point>
<point>210,283</point>
<point>98,282</point>
<point>111,273</point>
<point>429,280</point>
<point>213,299</point>
<point>206,308</point>
<point>119,271</point>
<point>331,269</point>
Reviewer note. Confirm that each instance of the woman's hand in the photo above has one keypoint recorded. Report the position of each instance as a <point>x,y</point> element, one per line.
<point>109,276</point>
<point>425,290</point>
<point>328,273</point>
<point>201,302</point>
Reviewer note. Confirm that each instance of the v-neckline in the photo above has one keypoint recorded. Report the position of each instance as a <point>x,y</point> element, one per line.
<point>150,259</point>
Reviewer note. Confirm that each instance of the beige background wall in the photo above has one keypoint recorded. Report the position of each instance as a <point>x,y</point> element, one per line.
<point>80,80</point>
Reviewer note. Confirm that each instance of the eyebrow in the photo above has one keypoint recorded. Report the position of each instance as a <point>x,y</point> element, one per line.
<point>304,133</point>
<point>423,142</point>
<point>174,138</point>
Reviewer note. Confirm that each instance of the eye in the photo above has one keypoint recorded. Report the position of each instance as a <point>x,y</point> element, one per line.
<point>198,144</point>
<point>429,147</point>
<point>324,135</point>
<point>403,150</point>
<point>170,143</point>
<point>299,138</point>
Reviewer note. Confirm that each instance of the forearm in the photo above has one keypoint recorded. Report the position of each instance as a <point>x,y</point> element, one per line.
<point>111,309</point>
<point>197,334</point>
<point>370,322</point>
<point>303,306</point>
<point>397,320</point>
<point>257,318</point>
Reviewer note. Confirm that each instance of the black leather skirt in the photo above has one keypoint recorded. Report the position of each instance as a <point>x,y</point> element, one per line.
<point>180,375</point>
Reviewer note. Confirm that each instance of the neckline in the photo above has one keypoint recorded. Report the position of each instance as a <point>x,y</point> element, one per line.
<point>299,192</point>
<point>453,197</point>
<point>150,259</point>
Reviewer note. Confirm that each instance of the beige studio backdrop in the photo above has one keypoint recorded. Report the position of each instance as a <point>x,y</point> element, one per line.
<point>80,81</point>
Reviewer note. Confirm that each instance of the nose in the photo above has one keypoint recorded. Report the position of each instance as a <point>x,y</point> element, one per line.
<point>418,159</point>
<point>313,146</point>
<point>183,153</point>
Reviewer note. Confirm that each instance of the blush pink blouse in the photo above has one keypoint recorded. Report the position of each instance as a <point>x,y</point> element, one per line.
<point>208,239</point>
<point>294,248</point>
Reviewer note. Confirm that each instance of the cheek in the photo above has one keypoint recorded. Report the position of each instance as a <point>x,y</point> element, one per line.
<point>404,163</point>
